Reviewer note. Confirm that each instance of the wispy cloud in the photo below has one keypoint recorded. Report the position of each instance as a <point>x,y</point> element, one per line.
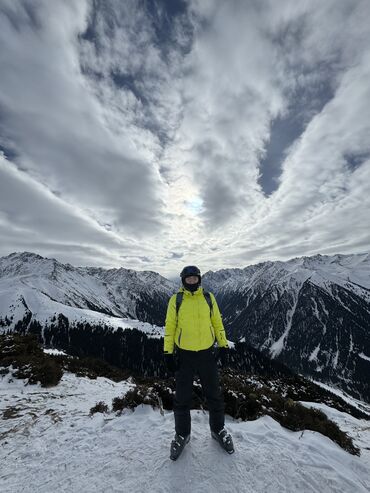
<point>160,133</point>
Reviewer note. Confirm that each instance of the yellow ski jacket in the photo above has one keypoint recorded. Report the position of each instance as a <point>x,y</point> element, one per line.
<point>195,328</point>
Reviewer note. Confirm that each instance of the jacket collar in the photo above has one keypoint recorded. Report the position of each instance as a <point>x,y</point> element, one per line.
<point>198,292</point>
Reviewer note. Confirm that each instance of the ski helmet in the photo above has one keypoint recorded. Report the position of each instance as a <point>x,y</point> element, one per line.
<point>190,270</point>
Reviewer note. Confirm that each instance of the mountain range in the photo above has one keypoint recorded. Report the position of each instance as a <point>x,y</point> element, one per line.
<point>310,313</point>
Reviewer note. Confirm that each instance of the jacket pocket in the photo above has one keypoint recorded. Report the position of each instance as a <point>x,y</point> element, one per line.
<point>213,336</point>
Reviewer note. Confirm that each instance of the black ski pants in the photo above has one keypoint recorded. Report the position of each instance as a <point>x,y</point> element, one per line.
<point>204,364</point>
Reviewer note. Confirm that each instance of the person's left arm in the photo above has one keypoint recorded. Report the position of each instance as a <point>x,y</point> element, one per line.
<point>217,324</point>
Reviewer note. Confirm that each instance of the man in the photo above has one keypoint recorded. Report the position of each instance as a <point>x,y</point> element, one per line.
<point>190,334</point>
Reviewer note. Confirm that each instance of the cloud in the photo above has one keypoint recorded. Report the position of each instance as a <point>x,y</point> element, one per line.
<point>33,217</point>
<point>56,124</point>
<point>231,132</point>
<point>307,71</point>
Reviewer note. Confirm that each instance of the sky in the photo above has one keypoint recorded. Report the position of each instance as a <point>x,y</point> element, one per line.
<point>153,134</point>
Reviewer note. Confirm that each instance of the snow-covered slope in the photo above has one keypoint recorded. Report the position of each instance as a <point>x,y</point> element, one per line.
<point>313,313</point>
<point>42,287</point>
<point>50,443</point>
<point>349,271</point>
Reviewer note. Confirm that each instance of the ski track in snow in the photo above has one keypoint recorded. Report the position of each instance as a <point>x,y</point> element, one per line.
<point>66,450</point>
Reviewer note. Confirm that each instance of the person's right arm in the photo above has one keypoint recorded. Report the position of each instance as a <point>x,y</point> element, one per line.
<point>170,327</point>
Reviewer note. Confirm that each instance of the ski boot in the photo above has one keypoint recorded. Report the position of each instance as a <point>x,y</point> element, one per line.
<point>225,440</point>
<point>177,445</point>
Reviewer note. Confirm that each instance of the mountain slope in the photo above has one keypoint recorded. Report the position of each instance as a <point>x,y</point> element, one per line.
<point>313,314</point>
<point>45,287</point>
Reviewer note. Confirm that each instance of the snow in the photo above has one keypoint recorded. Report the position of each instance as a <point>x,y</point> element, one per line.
<point>359,429</point>
<point>350,342</point>
<point>363,406</point>
<point>54,445</point>
<point>277,347</point>
<point>44,309</point>
<point>54,352</point>
<point>363,356</point>
<point>335,357</point>
<point>47,287</point>
<point>323,308</point>
<point>317,313</point>
<point>315,352</point>
<point>349,271</point>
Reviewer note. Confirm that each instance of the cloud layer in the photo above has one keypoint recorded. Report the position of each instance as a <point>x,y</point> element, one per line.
<point>156,134</point>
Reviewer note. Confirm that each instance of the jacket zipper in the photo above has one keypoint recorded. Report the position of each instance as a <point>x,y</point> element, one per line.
<point>180,336</point>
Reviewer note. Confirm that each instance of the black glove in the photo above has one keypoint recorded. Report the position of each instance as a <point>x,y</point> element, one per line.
<point>171,362</point>
<point>222,355</point>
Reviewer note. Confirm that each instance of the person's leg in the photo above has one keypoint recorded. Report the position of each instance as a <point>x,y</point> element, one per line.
<point>209,378</point>
<point>183,396</point>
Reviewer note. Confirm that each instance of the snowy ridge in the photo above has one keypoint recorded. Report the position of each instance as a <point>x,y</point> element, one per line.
<point>349,271</point>
<point>44,288</point>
